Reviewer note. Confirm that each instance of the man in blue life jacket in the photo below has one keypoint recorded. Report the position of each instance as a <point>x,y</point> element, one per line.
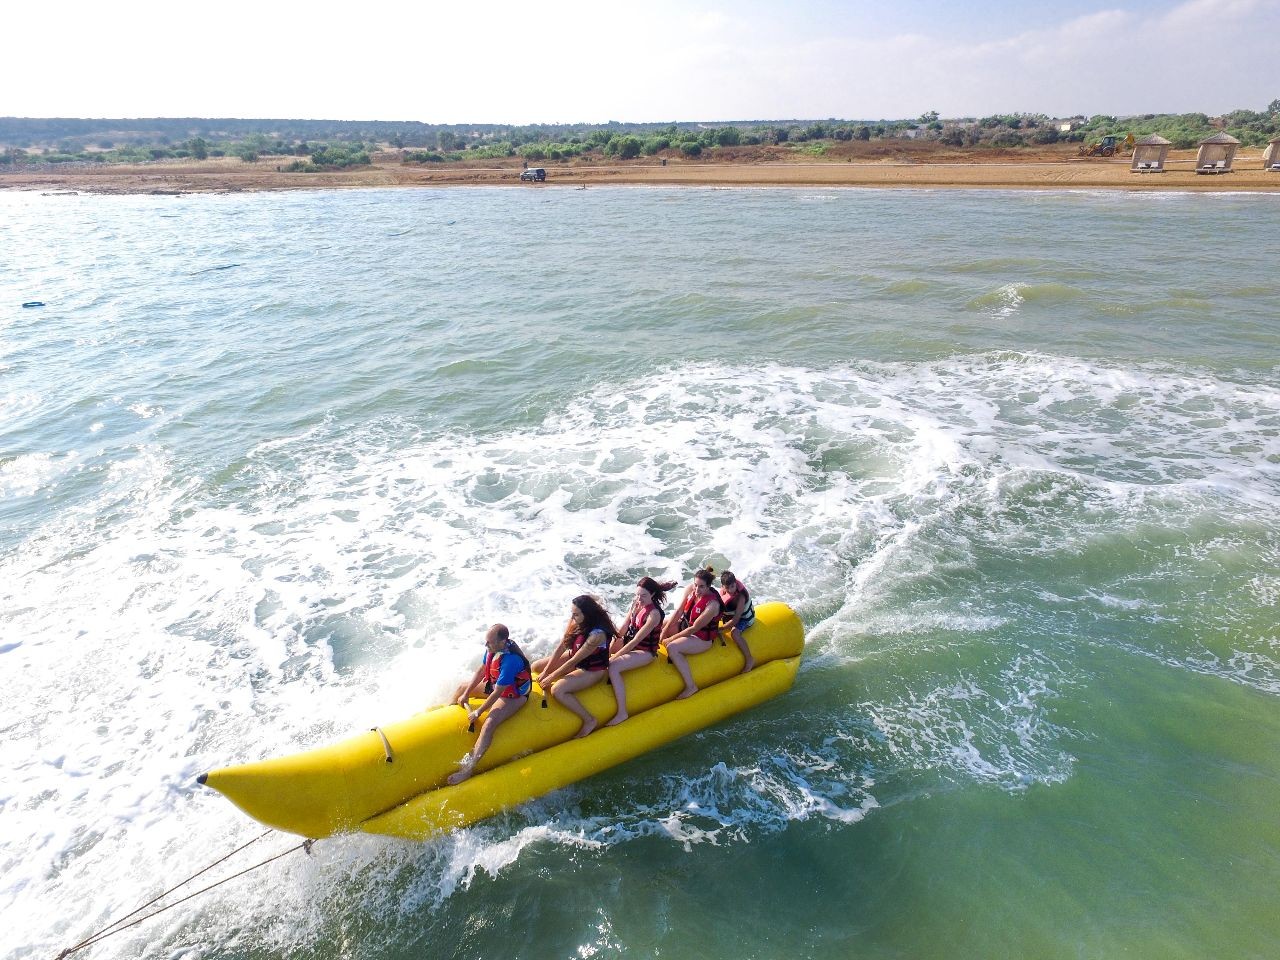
<point>505,679</point>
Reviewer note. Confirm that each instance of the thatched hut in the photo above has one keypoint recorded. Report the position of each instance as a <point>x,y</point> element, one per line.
<point>1271,156</point>
<point>1149,154</point>
<point>1216,153</point>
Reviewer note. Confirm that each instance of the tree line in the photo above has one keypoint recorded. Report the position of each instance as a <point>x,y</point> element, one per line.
<point>328,145</point>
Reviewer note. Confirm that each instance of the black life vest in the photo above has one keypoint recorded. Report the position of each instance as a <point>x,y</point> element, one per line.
<point>748,609</point>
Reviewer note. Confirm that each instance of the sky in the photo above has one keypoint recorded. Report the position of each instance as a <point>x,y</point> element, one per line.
<point>590,61</point>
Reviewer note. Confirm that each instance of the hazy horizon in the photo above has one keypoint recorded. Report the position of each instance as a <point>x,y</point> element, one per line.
<point>513,63</point>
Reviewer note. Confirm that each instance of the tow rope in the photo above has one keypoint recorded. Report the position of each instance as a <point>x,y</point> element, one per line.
<point>119,925</point>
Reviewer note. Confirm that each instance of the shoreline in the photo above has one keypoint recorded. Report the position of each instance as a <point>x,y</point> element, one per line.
<point>950,170</point>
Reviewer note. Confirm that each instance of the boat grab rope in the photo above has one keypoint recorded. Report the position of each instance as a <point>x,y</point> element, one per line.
<point>120,925</point>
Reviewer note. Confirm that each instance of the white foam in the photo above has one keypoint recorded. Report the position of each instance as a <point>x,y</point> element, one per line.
<point>1000,736</point>
<point>166,626</point>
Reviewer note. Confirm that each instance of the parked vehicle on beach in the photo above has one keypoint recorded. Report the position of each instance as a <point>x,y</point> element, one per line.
<point>534,173</point>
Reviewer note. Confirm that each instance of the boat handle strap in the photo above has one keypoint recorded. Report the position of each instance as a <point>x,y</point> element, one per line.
<point>386,745</point>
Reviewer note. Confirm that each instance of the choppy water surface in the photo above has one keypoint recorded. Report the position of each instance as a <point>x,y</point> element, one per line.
<point>269,464</point>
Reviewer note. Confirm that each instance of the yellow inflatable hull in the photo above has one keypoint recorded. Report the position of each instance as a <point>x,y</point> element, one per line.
<point>391,779</point>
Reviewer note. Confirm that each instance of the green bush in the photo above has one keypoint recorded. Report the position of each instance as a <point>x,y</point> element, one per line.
<point>691,148</point>
<point>492,151</point>
<point>1007,139</point>
<point>628,147</point>
<point>339,156</point>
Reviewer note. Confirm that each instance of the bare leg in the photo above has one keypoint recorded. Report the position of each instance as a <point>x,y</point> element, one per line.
<point>636,658</point>
<point>564,693</point>
<point>678,651</point>
<point>503,710</point>
<point>748,661</point>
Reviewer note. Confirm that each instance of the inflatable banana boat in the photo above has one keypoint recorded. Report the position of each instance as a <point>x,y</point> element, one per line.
<point>391,780</point>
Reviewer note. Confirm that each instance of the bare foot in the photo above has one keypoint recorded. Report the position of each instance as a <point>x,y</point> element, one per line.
<point>587,727</point>
<point>456,778</point>
<point>617,719</point>
<point>749,666</point>
<point>686,693</point>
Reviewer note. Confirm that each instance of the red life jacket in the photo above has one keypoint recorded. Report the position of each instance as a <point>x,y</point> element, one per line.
<point>650,642</point>
<point>693,608</point>
<point>597,660</point>
<point>524,679</point>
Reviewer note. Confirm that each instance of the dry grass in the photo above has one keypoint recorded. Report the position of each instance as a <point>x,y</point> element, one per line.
<point>887,163</point>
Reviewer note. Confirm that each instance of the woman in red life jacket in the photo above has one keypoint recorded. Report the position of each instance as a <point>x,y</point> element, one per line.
<point>638,644</point>
<point>582,658</point>
<point>737,613</point>
<point>695,629</point>
<point>507,678</point>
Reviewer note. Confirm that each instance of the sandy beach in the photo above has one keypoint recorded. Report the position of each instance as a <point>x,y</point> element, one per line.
<point>876,164</point>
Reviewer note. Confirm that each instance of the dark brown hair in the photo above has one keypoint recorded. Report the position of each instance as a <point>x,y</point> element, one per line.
<point>656,590</point>
<point>594,617</point>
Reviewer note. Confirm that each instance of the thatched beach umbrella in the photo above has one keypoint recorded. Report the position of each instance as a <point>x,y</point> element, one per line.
<point>1271,156</point>
<point>1216,153</point>
<point>1149,154</point>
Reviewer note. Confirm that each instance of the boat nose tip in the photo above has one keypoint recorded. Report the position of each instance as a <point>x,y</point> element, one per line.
<point>202,779</point>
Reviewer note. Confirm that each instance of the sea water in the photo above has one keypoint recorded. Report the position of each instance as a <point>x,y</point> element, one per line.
<point>270,464</point>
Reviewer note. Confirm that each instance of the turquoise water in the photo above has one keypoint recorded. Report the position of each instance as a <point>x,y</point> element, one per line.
<point>269,464</point>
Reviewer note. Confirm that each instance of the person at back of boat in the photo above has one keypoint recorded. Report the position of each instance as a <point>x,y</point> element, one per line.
<point>506,676</point>
<point>638,644</point>
<point>737,613</point>
<point>694,629</point>
<point>580,660</point>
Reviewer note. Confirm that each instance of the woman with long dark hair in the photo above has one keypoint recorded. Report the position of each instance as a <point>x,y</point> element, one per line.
<point>581,659</point>
<point>638,645</point>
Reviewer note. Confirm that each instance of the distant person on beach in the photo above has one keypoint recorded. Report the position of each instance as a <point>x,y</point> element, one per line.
<point>737,613</point>
<point>638,644</point>
<point>580,660</point>
<point>695,629</point>
<point>507,677</point>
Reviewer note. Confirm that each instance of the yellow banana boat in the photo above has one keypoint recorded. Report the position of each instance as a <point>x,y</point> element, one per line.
<point>391,780</point>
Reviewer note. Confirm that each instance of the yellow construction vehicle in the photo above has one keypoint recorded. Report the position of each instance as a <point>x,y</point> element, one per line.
<point>1108,146</point>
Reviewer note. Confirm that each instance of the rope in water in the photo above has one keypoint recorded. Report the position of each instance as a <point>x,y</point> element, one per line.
<point>120,925</point>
